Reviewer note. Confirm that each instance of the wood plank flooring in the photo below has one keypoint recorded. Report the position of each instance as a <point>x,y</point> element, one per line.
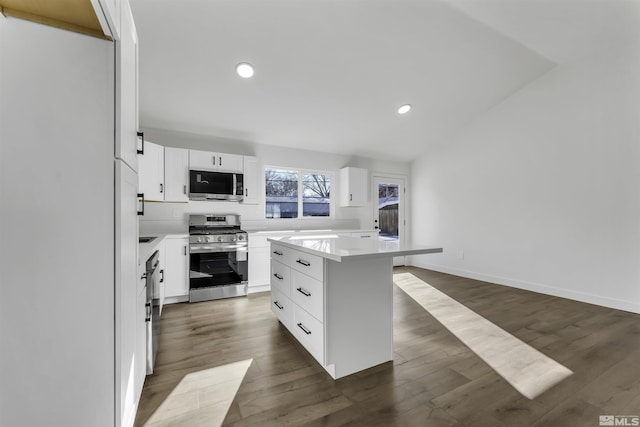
<point>434,379</point>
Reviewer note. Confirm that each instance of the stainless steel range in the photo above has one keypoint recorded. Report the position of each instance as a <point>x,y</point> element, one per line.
<point>218,257</point>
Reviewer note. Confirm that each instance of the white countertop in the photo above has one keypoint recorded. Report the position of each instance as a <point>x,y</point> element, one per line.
<point>310,231</point>
<point>339,248</point>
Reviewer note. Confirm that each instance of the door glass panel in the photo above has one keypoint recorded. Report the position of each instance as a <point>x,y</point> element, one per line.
<point>388,199</point>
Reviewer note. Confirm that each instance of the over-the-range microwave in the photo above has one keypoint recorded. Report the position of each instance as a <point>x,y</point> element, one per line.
<point>209,185</point>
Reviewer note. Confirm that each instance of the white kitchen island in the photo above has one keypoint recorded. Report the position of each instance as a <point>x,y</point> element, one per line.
<point>335,295</point>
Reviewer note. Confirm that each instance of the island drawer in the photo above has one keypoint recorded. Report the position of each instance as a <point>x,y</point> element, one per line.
<point>308,264</point>
<point>309,331</point>
<point>308,293</point>
<point>282,307</point>
<point>280,253</point>
<point>281,277</point>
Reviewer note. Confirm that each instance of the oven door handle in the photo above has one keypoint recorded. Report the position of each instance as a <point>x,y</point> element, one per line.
<point>199,249</point>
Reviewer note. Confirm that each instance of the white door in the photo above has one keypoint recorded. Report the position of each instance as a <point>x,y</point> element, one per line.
<point>388,212</point>
<point>230,162</point>
<point>251,181</point>
<point>176,282</point>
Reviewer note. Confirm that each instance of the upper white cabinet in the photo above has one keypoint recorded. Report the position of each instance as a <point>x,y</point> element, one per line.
<point>251,180</point>
<point>127,90</point>
<point>151,172</point>
<point>354,186</point>
<point>206,160</point>
<point>176,174</point>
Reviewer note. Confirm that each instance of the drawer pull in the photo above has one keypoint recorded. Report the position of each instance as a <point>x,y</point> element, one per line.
<point>277,276</point>
<point>277,253</point>
<point>365,237</point>
<point>304,292</point>
<point>278,305</point>
<point>306,331</point>
<point>303,262</point>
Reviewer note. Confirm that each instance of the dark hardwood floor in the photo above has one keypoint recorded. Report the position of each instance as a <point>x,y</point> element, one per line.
<point>434,379</point>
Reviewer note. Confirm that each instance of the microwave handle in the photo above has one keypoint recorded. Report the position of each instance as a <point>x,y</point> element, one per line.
<point>235,184</point>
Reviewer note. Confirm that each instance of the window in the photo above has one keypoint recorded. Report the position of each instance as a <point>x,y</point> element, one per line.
<point>291,193</point>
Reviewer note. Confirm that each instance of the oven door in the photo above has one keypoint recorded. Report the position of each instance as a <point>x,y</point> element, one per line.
<point>215,266</point>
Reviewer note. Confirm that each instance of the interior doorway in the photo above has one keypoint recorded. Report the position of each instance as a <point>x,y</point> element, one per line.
<point>389,213</point>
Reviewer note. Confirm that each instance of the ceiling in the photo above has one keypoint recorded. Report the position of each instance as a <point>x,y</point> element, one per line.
<point>331,74</point>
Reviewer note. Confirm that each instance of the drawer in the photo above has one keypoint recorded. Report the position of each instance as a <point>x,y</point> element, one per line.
<point>365,234</point>
<point>281,278</point>
<point>309,332</point>
<point>308,264</point>
<point>282,307</point>
<point>308,294</point>
<point>280,253</point>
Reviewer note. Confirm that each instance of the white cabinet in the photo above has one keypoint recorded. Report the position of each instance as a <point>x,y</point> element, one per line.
<point>206,160</point>
<point>259,263</point>
<point>354,186</point>
<point>252,188</point>
<point>298,296</point>
<point>126,89</point>
<point>151,173</point>
<point>176,270</point>
<point>176,174</point>
<point>162,262</point>
<point>126,235</point>
<point>140,361</point>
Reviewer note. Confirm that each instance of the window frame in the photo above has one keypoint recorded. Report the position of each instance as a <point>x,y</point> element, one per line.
<point>301,171</point>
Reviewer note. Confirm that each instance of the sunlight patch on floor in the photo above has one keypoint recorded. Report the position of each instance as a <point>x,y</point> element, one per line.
<point>525,368</point>
<point>201,398</point>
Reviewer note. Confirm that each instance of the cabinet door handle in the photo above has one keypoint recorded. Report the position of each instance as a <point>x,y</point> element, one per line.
<point>220,162</point>
<point>162,188</point>
<point>214,160</point>
<point>184,189</point>
<point>277,253</point>
<point>148,314</point>
<point>306,331</point>
<point>351,197</point>
<point>304,292</point>
<point>246,192</point>
<point>277,276</point>
<point>278,305</point>
<point>303,262</point>
<point>364,237</point>
<point>141,136</point>
<point>185,250</point>
<point>141,197</point>
<point>162,276</point>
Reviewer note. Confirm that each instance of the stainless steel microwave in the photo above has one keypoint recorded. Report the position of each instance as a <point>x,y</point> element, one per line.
<point>208,185</point>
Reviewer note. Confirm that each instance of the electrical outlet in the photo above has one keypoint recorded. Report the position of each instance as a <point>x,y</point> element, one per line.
<point>461,255</point>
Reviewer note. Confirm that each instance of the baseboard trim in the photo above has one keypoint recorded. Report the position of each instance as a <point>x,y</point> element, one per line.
<point>260,288</point>
<point>536,287</point>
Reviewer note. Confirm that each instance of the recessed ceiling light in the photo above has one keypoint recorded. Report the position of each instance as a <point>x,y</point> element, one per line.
<point>244,70</point>
<point>404,109</point>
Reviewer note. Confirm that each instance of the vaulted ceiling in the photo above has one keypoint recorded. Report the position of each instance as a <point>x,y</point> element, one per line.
<point>331,74</point>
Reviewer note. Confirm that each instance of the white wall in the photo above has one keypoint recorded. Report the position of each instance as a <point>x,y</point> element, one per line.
<point>543,191</point>
<point>56,227</point>
<point>173,217</point>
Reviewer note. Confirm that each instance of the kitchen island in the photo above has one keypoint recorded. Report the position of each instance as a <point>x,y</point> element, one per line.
<point>335,295</point>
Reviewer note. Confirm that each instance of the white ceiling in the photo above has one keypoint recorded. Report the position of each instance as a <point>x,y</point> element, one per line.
<point>330,74</point>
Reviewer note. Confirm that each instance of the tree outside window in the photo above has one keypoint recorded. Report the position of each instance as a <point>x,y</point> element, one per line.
<point>285,197</point>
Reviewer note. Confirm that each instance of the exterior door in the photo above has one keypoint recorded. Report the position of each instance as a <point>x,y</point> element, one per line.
<point>388,212</point>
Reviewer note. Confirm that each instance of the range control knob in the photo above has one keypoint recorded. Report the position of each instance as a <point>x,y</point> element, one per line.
<point>220,239</point>
<point>240,237</point>
<point>233,239</point>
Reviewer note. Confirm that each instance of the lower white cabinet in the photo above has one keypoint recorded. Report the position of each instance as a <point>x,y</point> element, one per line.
<point>298,296</point>
<point>176,174</point>
<point>140,359</point>
<point>176,271</point>
<point>162,263</point>
<point>259,267</point>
